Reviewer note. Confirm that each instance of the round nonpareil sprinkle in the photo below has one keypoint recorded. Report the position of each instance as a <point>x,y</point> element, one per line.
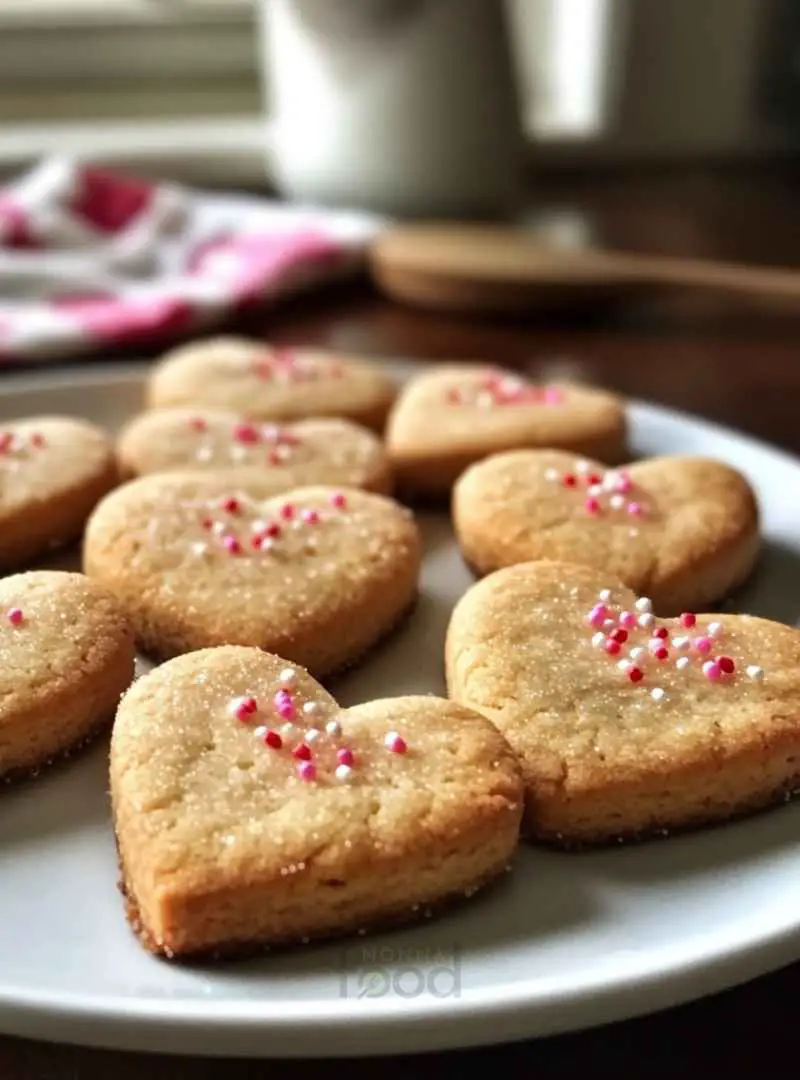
<point>333,727</point>
<point>15,616</point>
<point>658,694</point>
<point>243,707</point>
<point>307,770</point>
<point>755,672</point>
<point>395,743</point>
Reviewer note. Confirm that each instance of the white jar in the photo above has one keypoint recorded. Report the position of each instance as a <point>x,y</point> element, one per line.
<point>406,107</point>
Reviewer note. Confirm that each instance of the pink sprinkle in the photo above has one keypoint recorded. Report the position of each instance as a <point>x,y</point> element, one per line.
<point>231,545</point>
<point>231,505</point>
<point>302,751</point>
<point>306,770</point>
<point>310,517</point>
<point>285,708</point>
<point>287,511</point>
<point>624,483</point>
<point>454,396</point>
<point>37,439</point>
<point>6,439</point>
<point>345,756</point>
<point>592,506</point>
<point>703,645</point>
<point>15,616</point>
<point>258,542</point>
<point>712,670</point>
<point>634,508</point>
<point>246,433</point>
<point>552,395</point>
<point>727,665</point>
<point>688,620</point>
<point>598,614</point>
<point>197,423</point>
<point>273,739</point>
<point>338,500</point>
<point>627,619</point>
<point>612,647</point>
<point>395,743</point>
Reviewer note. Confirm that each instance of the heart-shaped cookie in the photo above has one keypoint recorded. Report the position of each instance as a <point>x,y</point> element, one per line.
<point>318,575</point>
<point>268,383</point>
<point>264,458</point>
<point>53,470</point>
<point>625,724</point>
<point>250,810</point>
<point>456,414</point>
<point>66,655</point>
<point>683,530</point>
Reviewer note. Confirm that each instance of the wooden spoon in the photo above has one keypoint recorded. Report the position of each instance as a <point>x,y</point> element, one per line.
<point>486,269</point>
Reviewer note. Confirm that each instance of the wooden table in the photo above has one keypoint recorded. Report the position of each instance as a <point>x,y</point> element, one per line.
<point>738,367</point>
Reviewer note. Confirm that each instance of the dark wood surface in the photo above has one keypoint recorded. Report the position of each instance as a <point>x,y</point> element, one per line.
<point>740,367</point>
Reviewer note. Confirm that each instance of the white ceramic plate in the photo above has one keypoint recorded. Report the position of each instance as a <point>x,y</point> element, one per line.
<point>565,942</point>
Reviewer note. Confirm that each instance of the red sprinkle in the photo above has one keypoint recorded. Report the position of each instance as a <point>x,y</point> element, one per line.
<point>688,620</point>
<point>15,616</point>
<point>207,523</point>
<point>594,478</point>
<point>726,664</point>
<point>619,635</point>
<point>635,674</point>
<point>197,423</point>
<point>230,505</point>
<point>274,458</point>
<point>345,756</point>
<point>661,631</point>
<point>661,653</point>
<point>37,439</point>
<point>273,739</point>
<point>612,647</point>
<point>592,506</point>
<point>287,511</point>
<point>310,517</point>
<point>302,751</point>
<point>6,439</point>
<point>569,480</point>
<point>272,530</point>
<point>246,433</point>
<point>338,500</point>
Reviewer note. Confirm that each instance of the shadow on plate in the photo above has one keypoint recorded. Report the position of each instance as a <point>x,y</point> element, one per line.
<point>773,590</point>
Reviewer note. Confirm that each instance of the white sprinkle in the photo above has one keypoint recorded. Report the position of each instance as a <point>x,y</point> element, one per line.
<point>604,595</point>
<point>616,502</point>
<point>594,489</point>
<point>390,738</point>
<point>609,623</point>
<point>582,467</point>
<point>333,727</point>
<point>646,620</point>
<point>310,708</point>
<point>755,672</point>
<point>238,453</point>
<point>312,734</point>
<point>623,665</point>
<point>598,639</point>
<point>218,528</point>
<point>343,772</point>
<point>260,731</point>
<point>205,453</point>
<point>681,643</point>
<point>551,474</point>
<point>199,548</point>
<point>637,652</point>
<point>714,629</point>
<point>682,662</point>
<point>259,525</point>
<point>633,532</point>
<point>287,729</point>
<point>644,604</point>
<point>658,694</point>
<point>287,677</point>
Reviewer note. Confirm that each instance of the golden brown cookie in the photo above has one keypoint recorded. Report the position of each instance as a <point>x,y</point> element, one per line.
<point>250,810</point>
<point>264,382</point>
<point>264,458</point>
<point>319,574</point>
<point>684,530</point>
<point>455,414</point>
<point>66,655</point>
<point>626,725</point>
<point>53,470</point>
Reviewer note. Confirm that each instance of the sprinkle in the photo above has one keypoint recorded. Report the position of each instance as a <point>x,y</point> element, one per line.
<point>37,439</point>
<point>688,620</point>
<point>604,595</point>
<point>727,665</point>
<point>612,647</point>
<point>246,433</point>
<point>231,545</point>
<point>287,511</point>
<point>552,395</point>
<point>260,732</point>
<point>199,548</point>
<point>635,674</point>
<point>682,662</point>
<point>14,616</point>
<point>634,508</point>
<point>345,756</point>
<point>6,440</point>
<point>307,771</point>
<point>616,502</point>
<point>627,619</point>
<point>702,645</point>
<point>333,727</point>
<point>204,453</point>
<point>681,643</point>
<point>310,517</point>
<point>310,708</point>
<point>338,500</point>
<point>712,670</point>
<point>592,506</point>
<point>242,707</point>
<point>644,604</point>
<point>755,672</point>
<point>660,632</point>
<point>312,735</point>
<point>551,474</point>
<point>619,635</point>
<point>594,489</point>
<point>624,483</point>
<point>273,739</point>
<point>582,467</point>
<point>637,653</point>
<point>284,706</point>
<point>273,530</point>
<point>302,751</point>
<point>230,505</point>
<point>598,639</point>
<point>595,480</point>
<point>395,743</point>
<point>598,615</point>
<point>288,677</point>
<point>197,423</point>
<point>207,523</point>
<point>343,772</point>
<point>657,694</point>
<point>219,528</point>
<point>646,620</point>
<point>661,653</point>
<point>569,480</point>
<point>274,458</point>
<point>624,665</point>
<point>714,629</point>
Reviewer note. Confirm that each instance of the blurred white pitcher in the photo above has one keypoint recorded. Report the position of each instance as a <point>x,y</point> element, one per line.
<point>406,107</point>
